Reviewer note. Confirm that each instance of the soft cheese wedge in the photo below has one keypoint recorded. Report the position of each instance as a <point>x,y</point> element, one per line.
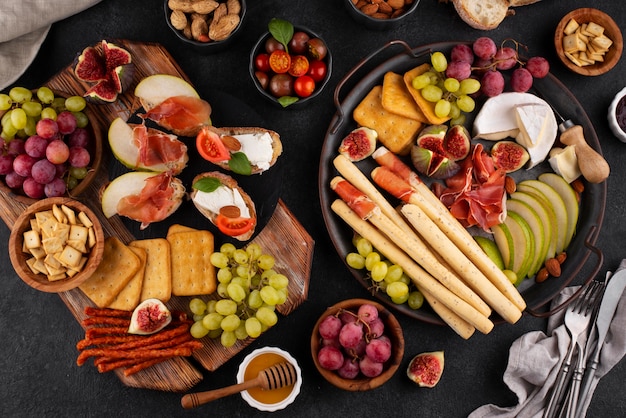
<point>532,120</point>
<point>565,163</point>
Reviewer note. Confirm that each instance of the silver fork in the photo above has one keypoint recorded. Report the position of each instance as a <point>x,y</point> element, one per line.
<point>577,319</point>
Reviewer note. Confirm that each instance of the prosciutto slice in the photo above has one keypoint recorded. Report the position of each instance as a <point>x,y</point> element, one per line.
<point>476,195</point>
<point>158,148</point>
<point>181,114</point>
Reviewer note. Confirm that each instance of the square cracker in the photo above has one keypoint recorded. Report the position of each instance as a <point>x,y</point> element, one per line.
<point>157,281</point>
<point>179,228</point>
<point>192,271</point>
<point>397,99</point>
<point>119,264</point>
<point>395,132</point>
<point>128,298</point>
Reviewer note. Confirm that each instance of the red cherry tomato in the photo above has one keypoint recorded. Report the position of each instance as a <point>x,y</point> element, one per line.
<point>304,86</point>
<point>234,226</point>
<point>299,65</point>
<point>211,147</point>
<point>263,78</point>
<point>317,70</point>
<point>280,61</point>
<point>262,62</point>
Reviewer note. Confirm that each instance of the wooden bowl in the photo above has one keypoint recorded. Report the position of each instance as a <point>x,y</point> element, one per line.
<point>611,30</point>
<point>18,257</point>
<point>392,329</point>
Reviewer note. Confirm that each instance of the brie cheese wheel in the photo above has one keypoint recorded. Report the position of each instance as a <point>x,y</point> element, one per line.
<point>564,162</point>
<point>221,197</point>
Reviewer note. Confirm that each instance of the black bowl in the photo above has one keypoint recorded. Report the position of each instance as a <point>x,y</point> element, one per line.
<point>375,23</point>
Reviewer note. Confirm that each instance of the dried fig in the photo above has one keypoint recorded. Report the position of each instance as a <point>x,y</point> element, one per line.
<point>359,144</point>
<point>426,369</point>
<point>509,156</point>
<point>149,316</point>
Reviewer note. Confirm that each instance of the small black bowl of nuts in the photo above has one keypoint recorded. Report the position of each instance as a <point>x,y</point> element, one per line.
<point>207,26</point>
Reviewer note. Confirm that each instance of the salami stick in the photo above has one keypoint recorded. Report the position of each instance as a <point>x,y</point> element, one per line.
<point>141,366</point>
<point>114,353</point>
<point>95,332</point>
<point>106,320</point>
<point>116,313</point>
<point>106,340</point>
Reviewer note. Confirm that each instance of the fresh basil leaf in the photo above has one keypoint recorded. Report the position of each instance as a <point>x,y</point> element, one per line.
<point>281,30</point>
<point>207,184</point>
<point>287,100</point>
<point>240,164</point>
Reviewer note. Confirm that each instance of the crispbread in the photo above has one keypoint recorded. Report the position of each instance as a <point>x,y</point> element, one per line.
<point>192,271</point>
<point>157,281</point>
<point>397,99</point>
<point>128,298</point>
<point>119,264</point>
<point>395,132</point>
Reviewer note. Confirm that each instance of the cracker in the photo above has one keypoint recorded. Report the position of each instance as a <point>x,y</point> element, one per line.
<point>192,271</point>
<point>157,281</point>
<point>128,298</point>
<point>119,264</point>
<point>179,228</point>
<point>397,99</point>
<point>395,132</point>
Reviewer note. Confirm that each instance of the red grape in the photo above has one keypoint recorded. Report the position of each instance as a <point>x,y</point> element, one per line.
<point>66,122</point>
<point>369,367</point>
<point>79,157</point>
<point>6,164</point>
<point>43,171</point>
<point>521,80</point>
<point>329,327</point>
<point>367,313</point>
<point>79,138</point>
<point>57,151</point>
<point>377,327</point>
<point>462,52</point>
<point>22,164</point>
<point>484,47</point>
<point>47,128</point>
<point>15,147</point>
<point>505,58</point>
<point>55,188</point>
<point>330,357</point>
<point>349,369</point>
<point>14,180</point>
<point>33,189</point>
<point>459,70</point>
<point>347,317</point>
<point>35,146</point>
<point>492,83</point>
<point>350,335</point>
<point>379,349</point>
<point>538,67</point>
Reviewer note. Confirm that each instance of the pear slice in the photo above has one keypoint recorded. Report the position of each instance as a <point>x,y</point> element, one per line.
<point>125,185</point>
<point>523,242</point>
<point>567,193</point>
<point>154,89</point>
<point>504,240</point>
<point>537,230</point>
<point>547,217</point>
<point>491,249</point>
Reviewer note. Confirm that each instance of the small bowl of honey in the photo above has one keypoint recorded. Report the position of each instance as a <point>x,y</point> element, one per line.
<point>274,399</point>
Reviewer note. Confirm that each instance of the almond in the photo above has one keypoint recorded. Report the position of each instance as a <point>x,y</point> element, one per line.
<point>230,211</point>
<point>561,257</point>
<point>542,275</point>
<point>369,9</point>
<point>231,143</point>
<point>509,185</point>
<point>553,267</point>
<point>396,4</point>
<point>578,186</point>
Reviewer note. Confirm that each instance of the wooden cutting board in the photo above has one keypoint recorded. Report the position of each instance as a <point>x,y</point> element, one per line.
<point>283,236</point>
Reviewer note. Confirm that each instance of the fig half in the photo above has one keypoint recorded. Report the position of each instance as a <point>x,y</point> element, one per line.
<point>509,156</point>
<point>426,369</point>
<point>359,144</point>
<point>456,143</point>
<point>149,316</point>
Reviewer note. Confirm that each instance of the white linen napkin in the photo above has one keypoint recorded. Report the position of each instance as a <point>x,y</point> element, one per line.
<point>24,26</point>
<point>535,359</point>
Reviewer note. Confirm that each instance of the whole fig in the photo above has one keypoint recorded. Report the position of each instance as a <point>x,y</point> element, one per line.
<point>426,369</point>
<point>149,316</point>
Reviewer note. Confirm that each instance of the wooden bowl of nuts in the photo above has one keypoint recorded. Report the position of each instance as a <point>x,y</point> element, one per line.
<point>380,15</point>
<point>207,26</point>
<point>588,41</point>
<point>56,244</point>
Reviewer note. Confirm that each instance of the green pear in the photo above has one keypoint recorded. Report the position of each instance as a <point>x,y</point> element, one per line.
<point>523,243</point>
<point>154,89</point>
<point>491,249</point>
<point>547,217</point>
<point>125,185</point>
<point>568,194</point>
<point>537,230</point>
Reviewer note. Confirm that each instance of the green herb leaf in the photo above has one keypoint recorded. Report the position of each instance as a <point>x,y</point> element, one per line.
<point>240,164</point>
<point>287,100</point>
<point>281,30</point>
<point>207,184</point>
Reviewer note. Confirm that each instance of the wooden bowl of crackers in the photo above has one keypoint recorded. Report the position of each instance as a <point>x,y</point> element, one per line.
<point>588,41</point>
<point>56,244</point>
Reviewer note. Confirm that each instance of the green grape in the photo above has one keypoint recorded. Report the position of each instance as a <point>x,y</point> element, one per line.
<point>72,182</point>
<point>20,94</point>
<point>241,333</point>
<point>198,330</point>
<point>371,259</point>
<point>254,299</point>
<point>215,333</point>
<point>254,251</point>
<point>267,274</point>
<point>81,119</point>
<point>266,316</point>
<point>270,307</point>
<point>455,112</point>
<point>451,84</point>
<point>415,300</point>
<point>230,322</point>
<point>442,108</point>
<point>236,292</point>
<point>6,136</point>
<point>242,270</point>
<point>253,327</point>
<point>210,306</point>
<point>269,295</point>
<point>75,103</point>
<point>394,273</point>
<point>379,271</point>
<point>266,262</point>
<point>405,279</point>
<point>228,249</point>
<point>5,101</point>
<point>18,118</point>
<point>48,113</point>
<point>224,275</point>
<point>364,247</point>
<point>278,281</point>
<point>31,127</point>
<point>45,95</point>
<point>432,93</point>
<point>255,281</point>
<point>58,104</point>
<point>241,281</point>
<point>439,61</point>
<point>458,121</point>
<point>228,338</point>
<point>240,256</point>
<point>221,290</point>
<point>78,172</point>
<point>197,306</point>
<point>400,300</point>
<point>466,103</point>
<point>469,86</point>
<point>7,126</point>
<point>198,317</point>
<point>355,260</point>
<point>32,109</point>
<point>219,260</point>
<point>397,290</point>
<point>421,81</point>
<point>282,295</point>
<point>212,321</point>
<point>226,307</point>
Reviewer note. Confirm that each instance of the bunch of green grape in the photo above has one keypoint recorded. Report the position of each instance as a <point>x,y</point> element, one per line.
<point>23,109</point>
<point>449,86</point>
<point>249,290</point>
<point>385,276</point>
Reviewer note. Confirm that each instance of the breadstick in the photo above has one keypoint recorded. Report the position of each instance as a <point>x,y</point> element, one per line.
<point>458,324</point>
<point>421,278</point>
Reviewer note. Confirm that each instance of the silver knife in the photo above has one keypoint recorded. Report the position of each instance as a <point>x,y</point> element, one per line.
<point>608,306</point>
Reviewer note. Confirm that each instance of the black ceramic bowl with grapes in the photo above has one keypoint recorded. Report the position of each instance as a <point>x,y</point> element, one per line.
<point>52,144</point>
<point>372,349</point>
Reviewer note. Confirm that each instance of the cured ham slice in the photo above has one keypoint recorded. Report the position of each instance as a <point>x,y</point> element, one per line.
<point>157,148</point>
<point>183,115</point>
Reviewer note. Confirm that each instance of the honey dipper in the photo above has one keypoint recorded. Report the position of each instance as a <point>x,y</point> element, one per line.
<point>274,377</point>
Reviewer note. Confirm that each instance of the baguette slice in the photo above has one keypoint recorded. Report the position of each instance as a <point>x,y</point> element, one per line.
<point>231,183</point>
<point>225,132</point>
<point>482,14</point>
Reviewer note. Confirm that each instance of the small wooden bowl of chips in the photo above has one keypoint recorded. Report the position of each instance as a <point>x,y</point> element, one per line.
<point>56,244</point>
<point>588,41</point>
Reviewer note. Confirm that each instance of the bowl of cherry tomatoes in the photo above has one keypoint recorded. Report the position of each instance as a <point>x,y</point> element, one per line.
<point>290,65</point>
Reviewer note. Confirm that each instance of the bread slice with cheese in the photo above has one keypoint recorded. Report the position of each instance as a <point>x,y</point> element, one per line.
<point>482,14</point>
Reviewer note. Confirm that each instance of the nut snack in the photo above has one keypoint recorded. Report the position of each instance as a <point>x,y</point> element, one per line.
<point>205,20</point>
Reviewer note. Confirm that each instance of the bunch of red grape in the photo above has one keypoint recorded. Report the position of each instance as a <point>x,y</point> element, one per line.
<point>488,61</point>
<point>354,343</point>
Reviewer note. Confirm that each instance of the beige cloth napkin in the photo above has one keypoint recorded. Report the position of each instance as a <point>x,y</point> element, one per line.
<point>535,359</point>
<point>24,24</point>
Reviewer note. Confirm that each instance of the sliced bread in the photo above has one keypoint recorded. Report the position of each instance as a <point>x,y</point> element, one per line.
<point>482,14</point>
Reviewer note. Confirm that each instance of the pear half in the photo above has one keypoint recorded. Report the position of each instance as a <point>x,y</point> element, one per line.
<point>155,89</point>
